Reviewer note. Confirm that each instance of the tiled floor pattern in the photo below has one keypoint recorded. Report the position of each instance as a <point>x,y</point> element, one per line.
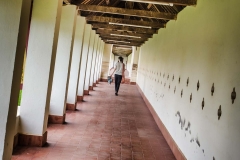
<point>104,127</point>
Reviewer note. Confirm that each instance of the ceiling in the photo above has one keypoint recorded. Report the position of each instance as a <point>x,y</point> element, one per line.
<point>129,22</point>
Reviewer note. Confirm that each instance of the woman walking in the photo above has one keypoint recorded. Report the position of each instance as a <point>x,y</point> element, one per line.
<point>119,73</point>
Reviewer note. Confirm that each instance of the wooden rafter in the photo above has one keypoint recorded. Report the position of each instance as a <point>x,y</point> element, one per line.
<point>176,2</point>
<point>124,28</point>
<point>127,12</point>
<point>108,37</point>
<point>124,21</point>
<point>122,40</point>
<point>123,33</point>
<point>126,44</point>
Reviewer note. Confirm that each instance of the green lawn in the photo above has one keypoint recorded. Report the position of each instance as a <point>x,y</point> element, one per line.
<point>19,98</point>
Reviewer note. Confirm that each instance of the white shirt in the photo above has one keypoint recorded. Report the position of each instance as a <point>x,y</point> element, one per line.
<point>119,68</point>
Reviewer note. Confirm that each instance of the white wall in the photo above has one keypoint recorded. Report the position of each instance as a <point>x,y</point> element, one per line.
<point>202,44</point>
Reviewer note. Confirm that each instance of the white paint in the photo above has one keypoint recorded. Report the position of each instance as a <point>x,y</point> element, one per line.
<point>129,65</point>
<point>203,44</point>
<point>94,61</point>
<point>86,40</point>
<point>134,61</point>
<point>101,60</point>
<point>95,78</point>
<point>39,66</point>
<point>76,59</point>
<point>62,63</point>
<point>92,43</point>
<point>13,32</point>
<point>111,62</point>
<point>105,60</point>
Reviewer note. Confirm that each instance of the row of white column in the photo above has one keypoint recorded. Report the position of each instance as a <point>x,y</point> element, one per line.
<point>64,58</point>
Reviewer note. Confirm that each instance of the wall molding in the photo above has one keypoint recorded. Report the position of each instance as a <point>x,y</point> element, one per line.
<point>172,144</point>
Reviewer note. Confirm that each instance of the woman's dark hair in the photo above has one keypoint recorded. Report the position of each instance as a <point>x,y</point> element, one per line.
<point>121,59</point>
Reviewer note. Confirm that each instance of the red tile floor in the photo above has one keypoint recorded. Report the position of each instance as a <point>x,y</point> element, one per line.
<point>104,127</point>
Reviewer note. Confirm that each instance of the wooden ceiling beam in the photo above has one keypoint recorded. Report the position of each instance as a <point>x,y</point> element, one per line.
<point>124,28</point>
<point>176,2</point>
<point>127,12</point>
<point>126,22</point>
<point>125,44</point>
<point>105,38</point>
<point>121,40</point>
<point>123,33</point>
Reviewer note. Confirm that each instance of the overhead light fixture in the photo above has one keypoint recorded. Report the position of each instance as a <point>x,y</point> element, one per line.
<point>130,25</point>
<point>151,2</point>
<point>124,35</point>
<point>117,41</point>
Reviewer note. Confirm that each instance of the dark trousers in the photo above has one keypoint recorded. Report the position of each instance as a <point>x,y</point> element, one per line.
<point>118,79</point>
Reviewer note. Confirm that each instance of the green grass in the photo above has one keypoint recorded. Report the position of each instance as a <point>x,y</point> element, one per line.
<point>19,98</point>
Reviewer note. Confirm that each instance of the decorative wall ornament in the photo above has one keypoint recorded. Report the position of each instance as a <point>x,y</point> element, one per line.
<point>167,76</point>
<point>181,92</point>
<point>169,86</point>
<point>212,89</point>
<point>233,95</point>
<point>219,112</point>
<point>203,103</point>
<point>174,89</point>
<point>187,81</point>
<point>179,79</point>
<point>198,84</point>
<point>191,98</point>
<point>173,77</point>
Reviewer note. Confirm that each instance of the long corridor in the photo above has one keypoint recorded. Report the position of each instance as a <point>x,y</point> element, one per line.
<point>104,127</point>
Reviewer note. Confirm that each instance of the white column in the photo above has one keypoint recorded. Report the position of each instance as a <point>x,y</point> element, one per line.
<point>14,19</point>
<point>39,69</point>
<point>100,61</point>
<point>75,65</point>
<point>89,62</point>
<point>97,63</point>
<point>62,65</point>
<point>82,73</point>
<point>91,83</point>
<point>134,65</point>
<point>105,63</point>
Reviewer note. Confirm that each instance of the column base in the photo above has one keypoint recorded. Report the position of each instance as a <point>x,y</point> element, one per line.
<point>90,88</point>
<point>132,83</point>
<point>32,140</point>
<point>86,92</point>
<point>94,85</point>
<point>53,119</point>
<point>71,107</point>
<point>97,82</point>
<point>79,98</point>
<point>15,141</point>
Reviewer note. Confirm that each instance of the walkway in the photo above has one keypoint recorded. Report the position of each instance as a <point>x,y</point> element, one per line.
<point>104,127</point>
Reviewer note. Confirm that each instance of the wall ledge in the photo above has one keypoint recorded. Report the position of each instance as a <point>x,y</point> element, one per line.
<point>172,144</point>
